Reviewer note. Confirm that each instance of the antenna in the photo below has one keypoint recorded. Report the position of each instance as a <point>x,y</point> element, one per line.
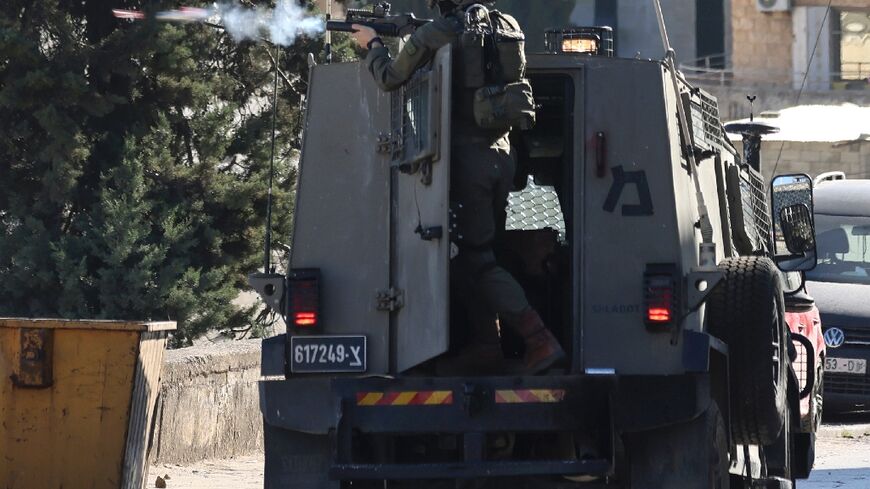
<point>267,267</point>
<point>328,46</point>
<point>708,252</point>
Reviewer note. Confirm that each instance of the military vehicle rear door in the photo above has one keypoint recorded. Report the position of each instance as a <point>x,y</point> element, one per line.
<point>420,154</point>
<point>342,225</point>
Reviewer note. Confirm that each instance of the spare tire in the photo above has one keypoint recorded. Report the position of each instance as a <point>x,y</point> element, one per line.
<point>747,312</point>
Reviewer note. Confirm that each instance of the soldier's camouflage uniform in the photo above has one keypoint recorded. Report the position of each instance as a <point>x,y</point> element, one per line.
<point>482,169</point>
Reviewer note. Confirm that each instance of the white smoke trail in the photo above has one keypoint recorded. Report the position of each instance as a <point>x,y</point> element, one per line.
<point>283,25</point>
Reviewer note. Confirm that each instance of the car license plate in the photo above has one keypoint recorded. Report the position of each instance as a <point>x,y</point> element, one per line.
<point>846,365</point>
<point>327,354</point>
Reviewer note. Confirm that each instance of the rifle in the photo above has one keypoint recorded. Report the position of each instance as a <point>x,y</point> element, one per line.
<point>379,19</point>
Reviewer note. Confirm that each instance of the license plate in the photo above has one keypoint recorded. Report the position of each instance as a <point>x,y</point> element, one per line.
<point>327,354</point>
<point>846,365</point>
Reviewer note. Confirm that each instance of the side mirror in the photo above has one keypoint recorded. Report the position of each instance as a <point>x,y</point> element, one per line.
<point>793,225</point>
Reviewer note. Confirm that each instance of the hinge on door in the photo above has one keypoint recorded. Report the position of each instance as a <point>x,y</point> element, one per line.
<point>385,144</point>
<point>391,299</point>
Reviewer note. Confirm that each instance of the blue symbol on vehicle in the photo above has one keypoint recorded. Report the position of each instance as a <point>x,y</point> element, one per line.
<point>834,337</point>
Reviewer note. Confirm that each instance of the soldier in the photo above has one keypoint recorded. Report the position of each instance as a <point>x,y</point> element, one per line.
<point>482,170</point>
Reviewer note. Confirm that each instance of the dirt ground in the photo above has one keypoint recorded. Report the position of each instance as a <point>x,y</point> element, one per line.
<point>842,462</point>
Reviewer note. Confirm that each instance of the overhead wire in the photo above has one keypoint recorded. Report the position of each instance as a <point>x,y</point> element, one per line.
<point>806,75</point>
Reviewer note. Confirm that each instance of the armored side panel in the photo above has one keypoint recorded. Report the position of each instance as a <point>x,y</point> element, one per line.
<point>639,209</point>
<point>343,207</point>
<point>421,186</point>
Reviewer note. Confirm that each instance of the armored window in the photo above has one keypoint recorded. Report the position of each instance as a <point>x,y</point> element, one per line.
<point>414,121</point>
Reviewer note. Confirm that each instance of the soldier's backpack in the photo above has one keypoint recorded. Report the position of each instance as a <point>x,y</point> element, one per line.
<point>493,62</point>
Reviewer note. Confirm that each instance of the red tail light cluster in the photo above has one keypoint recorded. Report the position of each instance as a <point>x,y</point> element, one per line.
<point>303,298</point>
<point>305,319</point>
<point>658,315</point>
<point>661,293</point>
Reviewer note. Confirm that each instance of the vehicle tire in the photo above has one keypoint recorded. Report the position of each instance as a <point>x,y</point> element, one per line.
<point>747,312</point>
<point>669,458</point>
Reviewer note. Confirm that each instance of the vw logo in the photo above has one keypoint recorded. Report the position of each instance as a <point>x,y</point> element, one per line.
<point>834,337</point>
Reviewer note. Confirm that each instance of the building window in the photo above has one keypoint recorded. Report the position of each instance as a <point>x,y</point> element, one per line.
<point>852,42</point>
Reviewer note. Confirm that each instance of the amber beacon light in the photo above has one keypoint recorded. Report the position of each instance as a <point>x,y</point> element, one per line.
<point>592,41</point>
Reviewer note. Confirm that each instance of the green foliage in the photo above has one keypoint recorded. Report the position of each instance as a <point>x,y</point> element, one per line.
<point>134,163</point>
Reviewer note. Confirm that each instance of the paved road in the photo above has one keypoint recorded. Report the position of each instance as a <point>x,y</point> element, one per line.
<point>842,462</point>
<point>842,457</point>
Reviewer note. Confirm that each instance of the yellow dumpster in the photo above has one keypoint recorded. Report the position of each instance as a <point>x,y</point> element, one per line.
<point>76,399</point>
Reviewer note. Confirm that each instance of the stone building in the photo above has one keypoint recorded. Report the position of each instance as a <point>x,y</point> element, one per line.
<point>776,47</point>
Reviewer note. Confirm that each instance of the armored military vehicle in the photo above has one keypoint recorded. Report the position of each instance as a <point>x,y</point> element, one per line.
<point>639,232</point>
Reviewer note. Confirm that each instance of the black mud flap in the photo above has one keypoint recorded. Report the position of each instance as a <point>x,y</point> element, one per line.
<point>297,460</point>
<point>643,403</point>
<point>804,455</point>
<point>470,409</point>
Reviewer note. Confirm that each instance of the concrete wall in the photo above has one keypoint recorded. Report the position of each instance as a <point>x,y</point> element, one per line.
<point>815,158</point>
<point>209,403</point>
<point>733,104</point>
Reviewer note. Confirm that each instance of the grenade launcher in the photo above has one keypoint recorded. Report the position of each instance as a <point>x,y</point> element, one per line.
<point>379,19</point>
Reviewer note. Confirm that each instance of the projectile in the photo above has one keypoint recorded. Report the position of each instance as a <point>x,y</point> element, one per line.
<point>128,14</point>
<point>183,14</point>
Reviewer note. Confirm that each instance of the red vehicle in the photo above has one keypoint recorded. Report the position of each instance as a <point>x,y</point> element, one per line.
<point>808,359</point>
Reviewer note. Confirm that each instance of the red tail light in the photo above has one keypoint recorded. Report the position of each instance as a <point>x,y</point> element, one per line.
<point>658,315</point>
<point>305,319</point>
<point>660,296</point>
<point>303,298</point>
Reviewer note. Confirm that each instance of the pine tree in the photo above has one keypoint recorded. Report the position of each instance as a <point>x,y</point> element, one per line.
<point>134,163</point>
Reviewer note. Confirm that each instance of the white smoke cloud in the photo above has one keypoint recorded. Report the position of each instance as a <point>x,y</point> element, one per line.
<point>283,25</point>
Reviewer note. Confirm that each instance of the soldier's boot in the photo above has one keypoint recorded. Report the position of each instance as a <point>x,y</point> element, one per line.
<point>483,356</point>
<point>542,348</point>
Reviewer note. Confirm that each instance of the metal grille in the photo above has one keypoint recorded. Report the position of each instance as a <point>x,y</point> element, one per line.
<point>705,121</point>
<point>800,364</point>
<point>412,120</point>
<point>712,124</point>
<point>756,213</point>
<point>847,384</point>
<point>856,336</point>
<point>535,207</point>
